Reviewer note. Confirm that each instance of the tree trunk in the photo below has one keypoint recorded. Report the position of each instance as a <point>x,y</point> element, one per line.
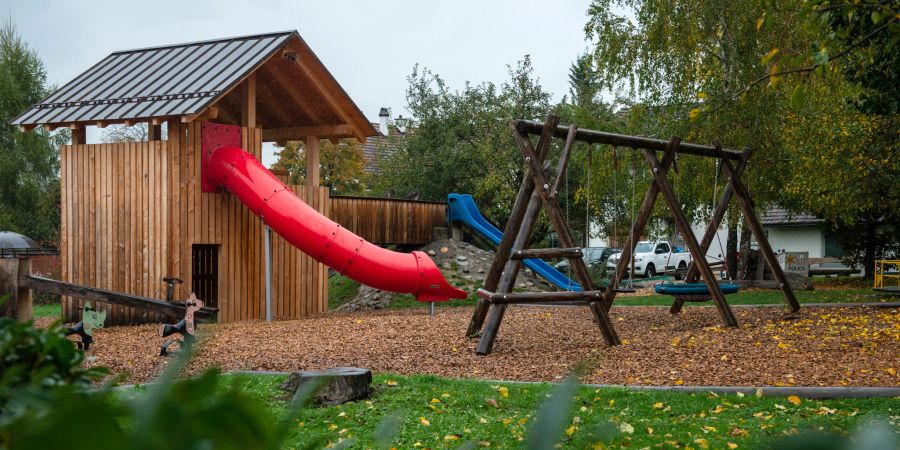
<point>871,249</point>
<point>744,263</point>
<point>731,248</point>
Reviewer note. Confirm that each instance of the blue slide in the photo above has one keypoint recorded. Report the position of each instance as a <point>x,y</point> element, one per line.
<point>462,208</point>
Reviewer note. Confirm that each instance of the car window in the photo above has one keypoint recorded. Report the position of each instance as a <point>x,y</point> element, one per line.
<point>643,247</point>
<point>662,248</point>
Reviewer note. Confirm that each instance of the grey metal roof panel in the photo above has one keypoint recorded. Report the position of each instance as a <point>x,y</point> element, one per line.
<point>154,82</point>
<point>776,215</point>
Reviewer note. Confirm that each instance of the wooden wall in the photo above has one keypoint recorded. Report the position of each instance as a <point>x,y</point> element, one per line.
<point>131,211</point>
<point>389,221</point>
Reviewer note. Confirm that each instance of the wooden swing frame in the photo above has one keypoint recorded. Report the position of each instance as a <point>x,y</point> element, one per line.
<point>539,190</point>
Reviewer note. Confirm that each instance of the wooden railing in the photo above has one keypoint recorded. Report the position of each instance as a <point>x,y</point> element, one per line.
<point>388,221</point>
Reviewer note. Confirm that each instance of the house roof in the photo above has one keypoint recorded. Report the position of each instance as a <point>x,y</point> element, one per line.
<point>378,148</point>
<point>776,215</point>
<point>186,79</point>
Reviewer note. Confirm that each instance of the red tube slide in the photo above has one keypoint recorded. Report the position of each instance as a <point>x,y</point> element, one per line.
<point>314,234</point>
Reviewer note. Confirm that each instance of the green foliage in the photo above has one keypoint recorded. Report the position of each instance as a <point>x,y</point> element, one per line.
<point>29,183</point>
<point>341,290</point>
<point>462,141</point>
<point>458,413</point>
<point>34,361</point>
<point>341,165</point>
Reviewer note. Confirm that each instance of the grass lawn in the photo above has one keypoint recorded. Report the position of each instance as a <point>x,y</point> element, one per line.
<point>51,310</point>
<point>342,289</point>
<point>445,413</point>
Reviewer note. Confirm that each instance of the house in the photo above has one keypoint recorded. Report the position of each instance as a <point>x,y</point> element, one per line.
<point>134,213</point>
<point>798,232</point>
<point>380,147</point>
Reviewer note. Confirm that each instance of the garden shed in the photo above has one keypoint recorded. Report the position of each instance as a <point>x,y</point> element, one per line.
<point>133,213</point>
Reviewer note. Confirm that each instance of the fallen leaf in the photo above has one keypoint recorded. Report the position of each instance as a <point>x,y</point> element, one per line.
<point>424,421</point>
<point>626,428</point>
<point>794,399</point>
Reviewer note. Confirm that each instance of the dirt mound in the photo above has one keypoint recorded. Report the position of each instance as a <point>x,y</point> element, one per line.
<point>463,265</point>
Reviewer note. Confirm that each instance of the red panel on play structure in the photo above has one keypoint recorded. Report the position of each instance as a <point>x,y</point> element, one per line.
<point>213,136</point>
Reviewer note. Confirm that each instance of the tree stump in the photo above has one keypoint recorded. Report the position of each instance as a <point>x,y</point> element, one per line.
<point>340,385</point>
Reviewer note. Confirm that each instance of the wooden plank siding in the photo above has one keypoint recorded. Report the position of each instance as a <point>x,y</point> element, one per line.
<point>386,221</point>
<point>132,211</point>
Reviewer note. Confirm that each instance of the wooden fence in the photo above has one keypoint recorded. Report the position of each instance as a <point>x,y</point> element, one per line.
<point>387,221</point>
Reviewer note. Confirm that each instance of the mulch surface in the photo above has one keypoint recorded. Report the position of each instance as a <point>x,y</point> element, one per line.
<point>815,347</point>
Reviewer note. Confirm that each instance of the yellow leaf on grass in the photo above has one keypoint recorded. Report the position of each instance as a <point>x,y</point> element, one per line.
<point>424,421</point>
<point>504,392</point>
<point>759,23</point>
<point>794,399</point>
<point>768,56</point>
<point>694,113</point>
<point>702,443</point>
<point>650,431</point>
<point>390,383</point>
<point>732,445</point>
<point>658,405</point>
<point>451,437</point>
<point>332,427</point>
<point>626,428</point>
<point>571,430</point>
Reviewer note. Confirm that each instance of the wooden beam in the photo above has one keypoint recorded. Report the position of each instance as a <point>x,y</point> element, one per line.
<point>79,135</point>
<point>537,297</point>
<point>637,229</point>
<point>117,298</point>
<point>621,140</point>
<point>743,199</point>
<point>501,256</point>
<point>665,188</point>
<point>154,132</point>
<point>311,149</point>
<point>542,253</point>
<point>300,133</point>
<point>211,113</point>
<point>248,102</point>
<point>17,303</point>
<point>283,84</point>
<point>715,221</point>
<point>305,63</point>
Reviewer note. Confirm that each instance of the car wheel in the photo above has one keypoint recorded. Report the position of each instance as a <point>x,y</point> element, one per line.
<point>651,271</point>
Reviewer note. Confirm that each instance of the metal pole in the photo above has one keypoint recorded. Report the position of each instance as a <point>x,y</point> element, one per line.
<point>431,308</point>
<point>268,235</point>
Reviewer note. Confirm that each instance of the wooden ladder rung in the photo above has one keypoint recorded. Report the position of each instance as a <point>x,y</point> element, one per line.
<point>538,297</point>
<point>547,253</point>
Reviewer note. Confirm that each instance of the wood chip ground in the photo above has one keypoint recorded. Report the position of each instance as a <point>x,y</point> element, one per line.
<point>815,347</point>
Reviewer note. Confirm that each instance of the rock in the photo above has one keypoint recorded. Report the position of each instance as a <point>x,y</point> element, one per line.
<point>529,283</point>
<point>432,253</point>
<point>340,384</point>
<point>521,285</point>
<point>461,258</point>
<point>446,265</point>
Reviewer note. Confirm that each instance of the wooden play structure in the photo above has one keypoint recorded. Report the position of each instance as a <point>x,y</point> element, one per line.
<point>133,213</point>
<point>540,190</point>
<point>887,276</point>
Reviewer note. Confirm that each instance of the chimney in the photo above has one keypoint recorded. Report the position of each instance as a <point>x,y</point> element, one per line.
<point>383,121</point>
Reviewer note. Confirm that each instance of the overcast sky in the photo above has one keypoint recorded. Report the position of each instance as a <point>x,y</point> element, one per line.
<point>369,46</point>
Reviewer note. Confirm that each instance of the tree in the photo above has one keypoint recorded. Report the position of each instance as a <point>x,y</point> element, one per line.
<point>29,162</point>
<point>342,165</point>
<point>675,59</point>
<point>121,133</point>
<point>462,140</point>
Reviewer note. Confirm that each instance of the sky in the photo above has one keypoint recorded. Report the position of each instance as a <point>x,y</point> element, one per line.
<point>369,46</point>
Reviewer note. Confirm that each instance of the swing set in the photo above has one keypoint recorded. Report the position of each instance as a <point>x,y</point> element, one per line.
<point>540,190</point>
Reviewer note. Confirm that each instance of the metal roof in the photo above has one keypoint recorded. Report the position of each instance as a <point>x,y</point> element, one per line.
<point>151,82</point>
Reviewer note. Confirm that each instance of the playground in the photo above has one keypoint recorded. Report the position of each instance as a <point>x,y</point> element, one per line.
<point>182,254</point>
<point>546,343</point>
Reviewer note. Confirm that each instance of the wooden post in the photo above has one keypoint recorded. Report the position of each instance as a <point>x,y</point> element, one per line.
<point>513,225</point>
<point>551,206</point>
<point>248,102</point>
<point>311,149</point>
<point>154,132</point>
<point>689,239</point>
<point>640,222</point>
<point>79,136</point>
<point>715,221</point>
<point>18,302</point>
<point>743,199</point>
